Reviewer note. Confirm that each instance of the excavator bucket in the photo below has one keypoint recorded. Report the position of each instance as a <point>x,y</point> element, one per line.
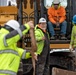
<point>57,71</point>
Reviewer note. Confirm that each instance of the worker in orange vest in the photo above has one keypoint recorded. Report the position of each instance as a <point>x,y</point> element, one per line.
<point>57,16</point>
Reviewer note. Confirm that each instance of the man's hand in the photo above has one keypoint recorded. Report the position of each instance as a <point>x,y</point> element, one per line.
<point>70,48</point>
<point>43,38</point>
<point>34,55</point>
<point>31,24</point>
<point>57,24</point>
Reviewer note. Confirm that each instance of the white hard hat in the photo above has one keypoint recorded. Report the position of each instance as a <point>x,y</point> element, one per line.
<point>56,1</point>
<point>15,25</point>
<point>42,20</point>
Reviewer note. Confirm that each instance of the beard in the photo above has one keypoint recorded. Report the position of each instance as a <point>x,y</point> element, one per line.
<point>44,28</point>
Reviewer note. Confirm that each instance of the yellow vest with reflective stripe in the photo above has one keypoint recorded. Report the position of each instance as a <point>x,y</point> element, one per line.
<point>10,55</point>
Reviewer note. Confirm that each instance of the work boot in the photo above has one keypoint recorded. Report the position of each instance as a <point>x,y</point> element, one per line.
<point>52,38</point>
<point>63,37</point>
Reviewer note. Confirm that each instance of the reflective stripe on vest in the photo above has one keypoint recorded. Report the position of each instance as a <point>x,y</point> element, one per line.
<point>4,40</point>
<point>9,51</point>
<point>23,55</point>
<point>7,72</point>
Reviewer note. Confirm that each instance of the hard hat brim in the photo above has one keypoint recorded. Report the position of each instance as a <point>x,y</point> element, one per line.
<point>56,2</point>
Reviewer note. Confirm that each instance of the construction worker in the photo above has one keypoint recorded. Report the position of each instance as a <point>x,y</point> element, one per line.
<point>42,38</point>
<point>10,54</point>
<point>57,16</point>
<point>73,35</point>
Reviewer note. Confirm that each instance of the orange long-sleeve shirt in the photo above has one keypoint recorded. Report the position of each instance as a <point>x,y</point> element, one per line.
<point>56,15</point>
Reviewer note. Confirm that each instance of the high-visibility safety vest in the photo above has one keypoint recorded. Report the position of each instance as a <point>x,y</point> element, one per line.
<point>40,43</point>
<point>39,34</point>
<point>10,54</point>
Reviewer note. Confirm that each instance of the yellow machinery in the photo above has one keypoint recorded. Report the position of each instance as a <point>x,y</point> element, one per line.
<point>33,10</point>
<point>7,13</point>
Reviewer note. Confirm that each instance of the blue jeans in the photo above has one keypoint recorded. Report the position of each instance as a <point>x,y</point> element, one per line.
<point>51,27</point>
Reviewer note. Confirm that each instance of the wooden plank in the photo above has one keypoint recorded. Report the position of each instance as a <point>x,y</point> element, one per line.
<point>59,46</point>
<point>57,71</point>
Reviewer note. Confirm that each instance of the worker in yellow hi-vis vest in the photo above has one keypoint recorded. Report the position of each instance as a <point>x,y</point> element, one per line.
<point>10,54</point>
